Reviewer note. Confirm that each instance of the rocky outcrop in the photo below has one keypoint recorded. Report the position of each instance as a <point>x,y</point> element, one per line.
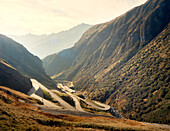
<point>12,79</point>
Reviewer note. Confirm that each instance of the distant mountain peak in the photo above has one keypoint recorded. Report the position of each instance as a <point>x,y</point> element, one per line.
<point>43,45</point>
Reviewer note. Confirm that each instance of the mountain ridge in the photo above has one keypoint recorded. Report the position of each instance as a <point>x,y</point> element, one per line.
<point>88,37</point>
<point>43,45</point>
<point>106,47</point>
<point>21,59</point>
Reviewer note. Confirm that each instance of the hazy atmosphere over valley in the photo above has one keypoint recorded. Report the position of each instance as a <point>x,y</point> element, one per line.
<point>85,65</point>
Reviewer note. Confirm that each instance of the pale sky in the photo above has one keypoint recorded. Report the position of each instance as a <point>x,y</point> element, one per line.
<point>19,17</point>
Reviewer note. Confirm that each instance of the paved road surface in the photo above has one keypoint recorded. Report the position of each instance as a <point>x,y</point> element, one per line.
<point>46,102</point>
<point>65,88</point>
<point>77,103</point>
<point>105,107</point>
<point>57,98</point>
<point>37,85</point>
<point>51,106</point>
<point>75,98</point>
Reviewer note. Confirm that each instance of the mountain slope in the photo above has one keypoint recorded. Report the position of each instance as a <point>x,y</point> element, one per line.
<point>18,113</point>
<point>11,78</point>
<point>43,45</point>
<point>106,48</point>
<point>139,88</point>
<point>26,63</point>
<point>58,62</point>
<point>113,43</point>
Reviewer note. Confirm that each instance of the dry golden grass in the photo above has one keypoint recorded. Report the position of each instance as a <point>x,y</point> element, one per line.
<point>15,96</point>
<point>15,115</point>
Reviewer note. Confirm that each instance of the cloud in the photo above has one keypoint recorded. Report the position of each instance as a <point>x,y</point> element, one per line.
<point>47,16</point>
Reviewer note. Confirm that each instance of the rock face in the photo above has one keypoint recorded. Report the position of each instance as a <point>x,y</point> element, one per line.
<point>11,78</point>
<point>27,64</point>
<point>101,62</point>
<point>43,45</point>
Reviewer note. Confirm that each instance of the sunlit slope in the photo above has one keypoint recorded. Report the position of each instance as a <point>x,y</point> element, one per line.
<point>27,64</point>
<point>108,48</point>
<point>43,45</point>
<point>139,88</point>
<point>18,113</point>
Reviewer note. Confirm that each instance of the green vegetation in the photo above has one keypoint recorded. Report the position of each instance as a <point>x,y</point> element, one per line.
<point>91,109</point>
<point>47,95</point>
<point>142,84</point>
<point>15,115</point>
<point>66,98</point>
<point>95,103</point>
<point>69,100</point>
<point>124,62</point>
<point>79,95</point>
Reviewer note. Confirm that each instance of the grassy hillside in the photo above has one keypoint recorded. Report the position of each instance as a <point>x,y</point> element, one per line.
<point>27,64</point>
<point>139,88</point>
<point>66,98</point>
<point>18,113</point>
<point>58,62</point>
<point>107,46</point>
<point>100,63</point>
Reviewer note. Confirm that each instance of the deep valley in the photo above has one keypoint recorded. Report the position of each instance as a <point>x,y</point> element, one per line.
<point>110,76</point>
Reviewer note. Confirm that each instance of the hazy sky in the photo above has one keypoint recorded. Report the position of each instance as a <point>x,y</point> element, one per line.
<point>19,17</point>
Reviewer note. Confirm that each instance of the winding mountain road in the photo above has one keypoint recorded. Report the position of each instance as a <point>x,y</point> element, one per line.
<point>57,98</point>
<point>37,85</point>
<point>105,107</point>
<point>77,103</point>
<point>50,106</point>
<point>46,102</point>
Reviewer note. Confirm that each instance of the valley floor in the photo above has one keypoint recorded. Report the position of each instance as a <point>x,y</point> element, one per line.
<point>16,115</point>
<point>22,112</point>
